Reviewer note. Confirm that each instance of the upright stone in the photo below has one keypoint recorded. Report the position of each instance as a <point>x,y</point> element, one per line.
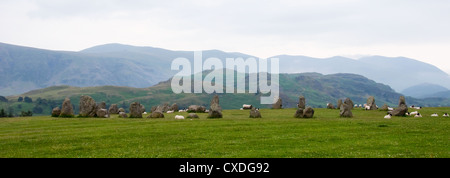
<point>174,107</point>
<point>278,104</point>
<point>67,109</point>
<point>346,108</point>
<point>308,113</point>
<point>56,112</point>
<point>371,103</point>
<point>165,107</point>
<point>157,112</point>
<point>255,113</point>
<point>87,106</point>
<point>302,102</point>
<point>402,108</point>
<point>135,110</point>
<point>348,101</point>
<point>113,109</point>
<point>215,111</point>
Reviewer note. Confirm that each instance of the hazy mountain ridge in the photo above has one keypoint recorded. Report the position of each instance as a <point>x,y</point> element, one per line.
<point>24,69</point>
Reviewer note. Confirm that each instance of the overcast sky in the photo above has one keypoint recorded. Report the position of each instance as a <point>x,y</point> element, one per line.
<point>418,29</point>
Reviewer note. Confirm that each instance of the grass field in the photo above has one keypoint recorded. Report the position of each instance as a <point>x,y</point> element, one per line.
<point>277,135</point>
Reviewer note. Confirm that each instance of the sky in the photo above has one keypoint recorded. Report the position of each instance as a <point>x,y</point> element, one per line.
<point>415,29</point>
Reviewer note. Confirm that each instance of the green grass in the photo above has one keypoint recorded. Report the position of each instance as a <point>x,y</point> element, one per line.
<point>277,135</point>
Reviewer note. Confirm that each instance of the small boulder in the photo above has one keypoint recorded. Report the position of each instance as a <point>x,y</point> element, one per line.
<point>192,115</point>
<point>308,112</point>
<point>113,109</point>
<point>123,115</point>
<point>102,113</point>
<point>255,113</point>
<point>156,114</point>
<point>299,113</point>
<point>56,112</point>
<point>174,107</point>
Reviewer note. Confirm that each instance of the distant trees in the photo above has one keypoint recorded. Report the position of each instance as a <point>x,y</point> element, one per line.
<point>20,99</point>
<point>28,99</point>
<point>3,99</point>
<point>26,114</point>
<point>2,113</point>
<point>38,110</point>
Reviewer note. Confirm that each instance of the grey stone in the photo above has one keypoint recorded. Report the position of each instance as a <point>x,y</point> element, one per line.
<point>56,112</point>
<point>192,115</point>
<point>255,113</point>
<point>371,103</point>
<point>87,106</point>
<point>278,104</point>
<point>302,102</point>
<point>113,109</point>
<point>308,113</point>
<point>67,109</point>
<point>135,110</point>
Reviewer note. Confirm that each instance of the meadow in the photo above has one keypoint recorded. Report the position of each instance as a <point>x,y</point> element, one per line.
<point>276,135</point>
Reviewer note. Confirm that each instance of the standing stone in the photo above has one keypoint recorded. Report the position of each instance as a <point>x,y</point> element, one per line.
<point>102,113</point>
<point>402,108</point>
<point>215,111</point>
<point>123,115</point>
<point>56,112</point>
<point>278,104</point>
<point>346,109</point>
<point>67,109</point>
<point>348,101</point>
<point>87,106</point>
<point>255,113</point>
<point>135,110</point>
<point>165,107</point>
<point>371,103</point>
<point>339,103</point>
<point>157,112</point>
<point>308,113</point>
<point>174,107</point>
<point>192,115</point>
<point>302,102</point>
<point>113,109</point>
<point>299,113</point>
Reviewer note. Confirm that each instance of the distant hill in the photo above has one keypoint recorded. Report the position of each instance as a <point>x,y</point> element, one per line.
<point>426,90</point>
<point>399,72</point>
<point>23,69</point>
<point>317,88</point>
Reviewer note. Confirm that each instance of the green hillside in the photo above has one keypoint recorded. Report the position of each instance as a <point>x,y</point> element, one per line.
<point>318,90</point>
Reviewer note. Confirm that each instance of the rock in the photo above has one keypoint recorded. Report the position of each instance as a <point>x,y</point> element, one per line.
<point>67,109</point>
<point>385,107</point>
<point>56,112</point>
<point>192,115</point>
<point>308,113</point>
<point>302,102</point>
<point>349,102</point>
<point>196,109</point>
<point>371,103</point>
<point>278,104</point>
<point>255,113</point>
<point>339,103</point>
<point>153,108</point>
<point>402,108</point>
<point>135,110</point>
<point>102,105</point>
<point>174,107</point>
<point>346,110</point>
<point>330,106</point>
<point>215,111</point>
<point>299,113</point>
<point>121,110</point>
<point>87,106</point>
<point>113,109</point>
<point>156,114</point>
<point>102,113</point>
<point>165,107</point>
<point>123,115</point>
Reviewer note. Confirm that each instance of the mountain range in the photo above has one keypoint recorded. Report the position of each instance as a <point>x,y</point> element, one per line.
<point>23,69</point>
